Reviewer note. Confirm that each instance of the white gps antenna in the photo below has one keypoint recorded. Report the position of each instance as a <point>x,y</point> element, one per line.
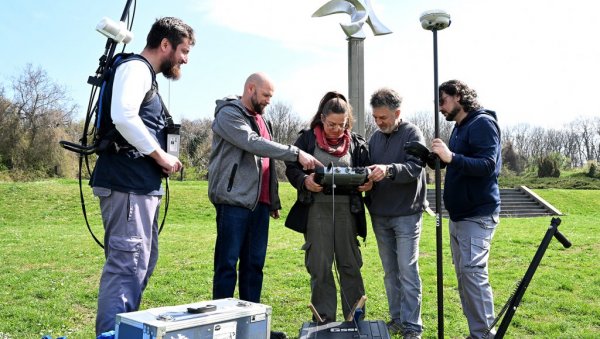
<point>116,31</point>
<point>435,20</point>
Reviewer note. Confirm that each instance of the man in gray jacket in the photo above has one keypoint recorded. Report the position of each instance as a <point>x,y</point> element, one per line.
<point>396,204</point>
<point>243,187</point>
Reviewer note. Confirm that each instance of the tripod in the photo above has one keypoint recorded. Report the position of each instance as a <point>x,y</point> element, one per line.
<point>513,302</point>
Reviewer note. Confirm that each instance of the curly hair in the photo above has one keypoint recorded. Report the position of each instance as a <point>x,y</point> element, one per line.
<point>332,102</point>
<point>468,96</point>
<point>386,97</point>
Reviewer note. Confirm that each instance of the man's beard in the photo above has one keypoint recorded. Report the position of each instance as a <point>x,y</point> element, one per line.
<point>170,69</point>
<point>452,114</point>
<point>388,129</point>
<point>256,106</point>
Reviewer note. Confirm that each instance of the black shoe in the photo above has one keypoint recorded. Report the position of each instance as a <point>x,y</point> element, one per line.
<point>278,335</point>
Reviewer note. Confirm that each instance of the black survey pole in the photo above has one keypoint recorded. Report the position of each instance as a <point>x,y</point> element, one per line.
<point>126,10</point>
<point>438,198</point>
<point>434,21</point>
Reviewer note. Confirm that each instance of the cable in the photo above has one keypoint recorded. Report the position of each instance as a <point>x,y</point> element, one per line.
<point>343,294</point>
<point>167,198</point>
<point>91,119</point>
<point>83,203</point>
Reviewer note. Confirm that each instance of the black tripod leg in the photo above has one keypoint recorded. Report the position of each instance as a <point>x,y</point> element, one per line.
<point>520,291</point>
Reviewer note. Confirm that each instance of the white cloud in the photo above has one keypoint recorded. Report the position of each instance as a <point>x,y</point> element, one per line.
<point>532,61</point>
<point>284,22</point>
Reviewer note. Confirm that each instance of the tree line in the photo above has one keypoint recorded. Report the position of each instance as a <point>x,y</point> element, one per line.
<point>39,113</point>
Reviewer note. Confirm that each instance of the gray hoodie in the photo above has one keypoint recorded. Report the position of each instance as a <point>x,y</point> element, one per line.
<point>234,168</point>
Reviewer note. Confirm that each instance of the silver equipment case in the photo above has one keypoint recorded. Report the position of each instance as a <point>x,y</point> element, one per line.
<point>216,319</point>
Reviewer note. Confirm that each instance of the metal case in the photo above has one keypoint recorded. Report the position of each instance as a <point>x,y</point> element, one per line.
<point>222,318</point>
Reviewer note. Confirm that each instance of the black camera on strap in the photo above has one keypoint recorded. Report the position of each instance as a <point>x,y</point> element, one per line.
<point>420,151</point>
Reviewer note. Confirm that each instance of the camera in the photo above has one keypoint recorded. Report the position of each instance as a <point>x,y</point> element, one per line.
<point>420,151</point>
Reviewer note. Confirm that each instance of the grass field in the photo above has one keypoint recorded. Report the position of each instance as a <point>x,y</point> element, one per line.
<point>50,266</point>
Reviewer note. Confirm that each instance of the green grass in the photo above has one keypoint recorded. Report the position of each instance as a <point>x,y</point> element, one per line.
<point>50,266</point>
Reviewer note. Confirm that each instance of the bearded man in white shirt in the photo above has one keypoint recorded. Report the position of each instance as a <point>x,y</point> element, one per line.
<point>128,174</point>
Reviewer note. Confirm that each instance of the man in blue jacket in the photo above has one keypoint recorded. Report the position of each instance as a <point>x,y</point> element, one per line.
<point>471,196</point>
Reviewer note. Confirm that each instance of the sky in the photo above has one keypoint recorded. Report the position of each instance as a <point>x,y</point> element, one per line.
<point>531,61</point>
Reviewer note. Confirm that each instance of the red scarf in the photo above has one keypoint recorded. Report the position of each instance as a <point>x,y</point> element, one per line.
<point>337,147</point>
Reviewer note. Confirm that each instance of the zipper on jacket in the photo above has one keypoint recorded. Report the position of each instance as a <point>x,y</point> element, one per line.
<point>231,177</point>
<point>260,183</point>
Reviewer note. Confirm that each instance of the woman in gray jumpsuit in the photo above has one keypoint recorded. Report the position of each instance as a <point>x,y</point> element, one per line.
<point>329,239</point>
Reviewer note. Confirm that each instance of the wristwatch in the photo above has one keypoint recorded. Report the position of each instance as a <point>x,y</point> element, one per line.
<point>390,172</point>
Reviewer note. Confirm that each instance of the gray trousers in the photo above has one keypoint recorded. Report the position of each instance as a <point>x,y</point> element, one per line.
<point>398,243</point>
<point>470,243</point>
<point>131,251</point>
<point>324,242</point>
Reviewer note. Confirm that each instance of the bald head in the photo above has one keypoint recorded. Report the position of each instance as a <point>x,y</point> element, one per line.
<point>258,91</point>
<point>258,78</point>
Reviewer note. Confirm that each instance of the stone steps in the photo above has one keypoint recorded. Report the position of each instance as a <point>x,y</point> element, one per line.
<point>520,202</point>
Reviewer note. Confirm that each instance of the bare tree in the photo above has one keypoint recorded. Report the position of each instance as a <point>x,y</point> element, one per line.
<point>518,136</point>
<point>33,123</point>
<point>426,123</point>
<point>286,124</point>
<point>196,139</point>
<point>596,124</point>
<point>536,141</point>
<point>554,140</point>
<point>370,125</point>
<point>587,134</point>
<point>572,146</point>
<point>9,126</point>
<point>577,142</point>
<point>39,102</point>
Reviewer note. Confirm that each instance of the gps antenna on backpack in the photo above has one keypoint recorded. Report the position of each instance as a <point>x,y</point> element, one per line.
<point>116,33</point>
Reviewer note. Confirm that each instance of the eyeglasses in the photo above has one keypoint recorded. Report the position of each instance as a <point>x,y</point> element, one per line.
<point>332,125</point>
<point>443,99</point>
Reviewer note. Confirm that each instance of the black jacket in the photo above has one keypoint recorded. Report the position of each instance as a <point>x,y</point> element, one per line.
<point>298,215</point>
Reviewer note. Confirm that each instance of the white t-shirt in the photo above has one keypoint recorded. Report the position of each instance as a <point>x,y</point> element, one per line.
<point>132,80</point>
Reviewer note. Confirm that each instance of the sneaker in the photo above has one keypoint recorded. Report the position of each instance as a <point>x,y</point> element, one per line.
<point>278,335</point>
<point>394,327</point>
<point>411,335</point>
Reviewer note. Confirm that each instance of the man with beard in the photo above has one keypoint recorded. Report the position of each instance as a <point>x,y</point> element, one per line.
<point>127,178</point>
<point>242,184</point>
<point>472,198</point>
<point>396,205</point>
